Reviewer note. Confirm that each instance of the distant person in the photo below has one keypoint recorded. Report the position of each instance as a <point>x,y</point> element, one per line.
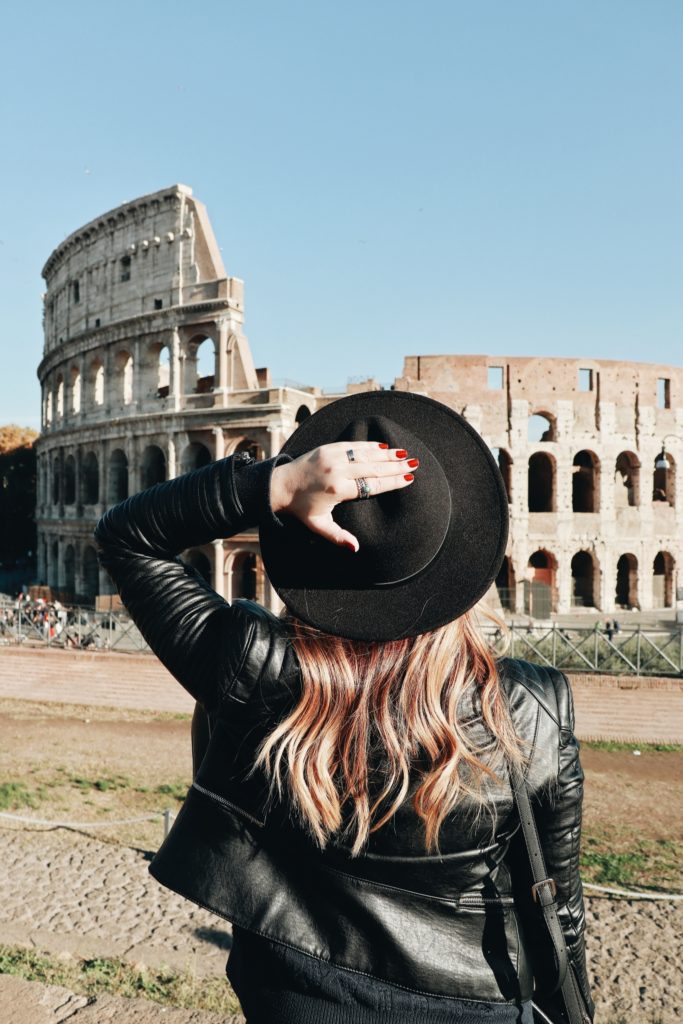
<point>353,814</point>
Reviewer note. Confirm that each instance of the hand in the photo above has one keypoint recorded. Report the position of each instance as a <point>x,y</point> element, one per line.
<point>312,485</point>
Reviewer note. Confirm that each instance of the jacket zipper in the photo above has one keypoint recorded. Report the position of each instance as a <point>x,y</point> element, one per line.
<point>479,901</point>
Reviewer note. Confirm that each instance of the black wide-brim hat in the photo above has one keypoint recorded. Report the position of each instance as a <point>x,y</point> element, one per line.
<point>428,552</point>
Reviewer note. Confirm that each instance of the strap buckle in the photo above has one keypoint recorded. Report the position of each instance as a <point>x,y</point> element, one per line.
<point>537,885</point>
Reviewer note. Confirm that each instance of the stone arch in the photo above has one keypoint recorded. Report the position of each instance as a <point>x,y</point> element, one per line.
<point>163,371</point>
<point>152,466</point>
<point>91,575</point>
<point>48,408</point>
<point>540,585</point>
<point>118,476</point>
<point>200,364</point>
<point>199,561</point>
<point>663,570</point>
<point>75,389</point>
<point>626,594</point>
<point>96,381</point>
<point>124,370</point>
<point>505,584</point>
<point>244,575</point>
<point>541,427</point>
<point>194,456</point>
<point>60,397</point>
<point>541,490</point>
<point>302,413</point>
<point>585,580</point>
<point>585,482</point>
<point>70,571</point>
<point>56,480</point>
<point>664,480</point>
<point>627,480</point>
<point>90,479</point>
<point>504,460</point>
<point>69,480</point>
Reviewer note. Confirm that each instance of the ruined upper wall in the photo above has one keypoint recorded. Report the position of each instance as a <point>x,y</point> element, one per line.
<point>149,254</point>
<point>547,384</point>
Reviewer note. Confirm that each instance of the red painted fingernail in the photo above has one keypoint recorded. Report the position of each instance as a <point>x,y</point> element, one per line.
<point>383,445</point>
<point>401,453</point>
<point>409,477</point>
<point>413,463</point>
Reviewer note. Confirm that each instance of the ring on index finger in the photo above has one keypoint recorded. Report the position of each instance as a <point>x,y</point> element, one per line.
<point>363,487</point>
<point>350,455</point>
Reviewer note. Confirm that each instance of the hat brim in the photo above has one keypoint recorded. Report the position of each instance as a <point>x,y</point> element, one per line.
<point>467,562</point>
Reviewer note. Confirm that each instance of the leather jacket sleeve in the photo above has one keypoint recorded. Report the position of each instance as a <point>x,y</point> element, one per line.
<point>192,630</point>
<point>558,817</point>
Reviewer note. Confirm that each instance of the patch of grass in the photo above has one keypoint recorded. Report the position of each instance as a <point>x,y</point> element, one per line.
<point>115,977</point>
<point>178,790</point>
<point>14,795</point>
<point>615,745</point>
<point>101,785</point>
<point>644,864</point>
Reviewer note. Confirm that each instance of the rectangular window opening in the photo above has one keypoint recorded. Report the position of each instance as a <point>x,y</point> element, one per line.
<point>663,393</point>
<point>585,380</point>
<point>125,268</point>
<point>495,378</point>
<point>76,291</point>
<point>158,303</point>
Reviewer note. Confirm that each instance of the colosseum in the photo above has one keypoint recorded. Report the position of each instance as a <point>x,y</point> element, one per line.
<point>146,373</point>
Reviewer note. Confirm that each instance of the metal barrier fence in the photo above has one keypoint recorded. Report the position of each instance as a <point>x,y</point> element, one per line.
<point>74,627</point>
<point>639,650</point>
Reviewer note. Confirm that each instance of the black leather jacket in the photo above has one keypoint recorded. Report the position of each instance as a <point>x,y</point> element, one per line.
<point>458,924</point>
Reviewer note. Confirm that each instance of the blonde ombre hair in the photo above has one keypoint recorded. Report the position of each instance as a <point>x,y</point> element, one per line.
<point>399,700</point>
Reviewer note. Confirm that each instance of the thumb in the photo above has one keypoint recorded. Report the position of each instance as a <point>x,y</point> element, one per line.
<point>326,527</point>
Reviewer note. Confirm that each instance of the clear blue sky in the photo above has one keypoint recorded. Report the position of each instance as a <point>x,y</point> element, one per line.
<point>389,178</point>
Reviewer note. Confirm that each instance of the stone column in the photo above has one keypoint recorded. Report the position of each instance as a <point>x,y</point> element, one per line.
<point>78,480</point>
<point>134,468</point>
<point>103,474</point>
<point>564,585</point>
<point>138,375</point>
<point>221,370</point>
<point>171,458</point>
<point>218,560</point>
<point>219,443</point>
<point>175,376</point>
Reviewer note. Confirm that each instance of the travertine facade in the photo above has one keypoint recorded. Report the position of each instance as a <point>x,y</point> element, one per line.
<point>594,522</point>
<point>146,373</point>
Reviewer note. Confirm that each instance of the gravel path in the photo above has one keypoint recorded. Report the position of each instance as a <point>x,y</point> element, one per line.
<point>63,892</point>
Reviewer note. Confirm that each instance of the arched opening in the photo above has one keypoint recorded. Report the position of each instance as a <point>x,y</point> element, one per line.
<point>54,568</point>
<point>664,480</point>
<point>75,390</point>
<point>153,466</point>
<point>626,595</point>
<point>541,483</point>
<point>244,576</point>
<point>199,561</point>
<point>69,480</point>
<point>91,575</point>
<point>163,372</point>
<point>585,490</point>
<point>97,382</point>
<point>70,571</point>
<point>541,427</point>
<point>539,589</point>
<point>60,397</point>
<point>251,447</point>
<point>118,477</point>
<point>505,584</point>
<point>627,481</point>
<point>90,480</point>
<point>505,466</point>
<point>206,366</point>
<point>194,456</point>
<point>48,409</point>
<point>584,582</point>
<point>302,413</point>
<point>663,580</point>
<point>55,481</point>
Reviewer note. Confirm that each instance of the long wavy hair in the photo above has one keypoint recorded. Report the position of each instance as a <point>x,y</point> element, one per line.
<point>399,701</point>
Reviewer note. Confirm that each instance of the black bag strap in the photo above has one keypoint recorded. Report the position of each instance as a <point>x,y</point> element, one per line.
<point>543,891</point>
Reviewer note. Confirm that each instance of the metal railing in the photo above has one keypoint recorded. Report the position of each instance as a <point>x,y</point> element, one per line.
<point>638,650</point>
<point>69,628</point>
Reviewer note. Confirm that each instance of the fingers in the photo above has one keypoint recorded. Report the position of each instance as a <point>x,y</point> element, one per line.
<point>326,526</point>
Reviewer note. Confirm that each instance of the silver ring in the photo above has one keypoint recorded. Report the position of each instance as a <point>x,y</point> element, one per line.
<point>350,456</point>
<point>363,487</point>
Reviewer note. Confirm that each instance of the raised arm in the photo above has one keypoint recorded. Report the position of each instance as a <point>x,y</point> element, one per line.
<point>186,623</point>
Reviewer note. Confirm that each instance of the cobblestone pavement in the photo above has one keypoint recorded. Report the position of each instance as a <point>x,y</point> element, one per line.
<point>62,892</point>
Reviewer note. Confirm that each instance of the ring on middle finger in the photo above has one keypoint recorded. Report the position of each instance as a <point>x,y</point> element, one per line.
<point>363,487</point>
